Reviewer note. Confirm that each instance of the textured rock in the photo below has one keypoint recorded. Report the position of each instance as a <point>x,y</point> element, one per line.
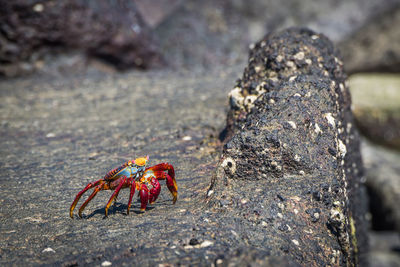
<point>292,161</point>
<point>110,30</point>
<point>376,106</point>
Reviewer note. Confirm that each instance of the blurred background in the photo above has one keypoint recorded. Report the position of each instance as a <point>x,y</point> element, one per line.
<point>78,38</point>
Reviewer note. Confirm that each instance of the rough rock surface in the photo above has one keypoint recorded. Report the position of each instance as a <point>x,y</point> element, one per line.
<point>292,162</point>
<point>111,30</point>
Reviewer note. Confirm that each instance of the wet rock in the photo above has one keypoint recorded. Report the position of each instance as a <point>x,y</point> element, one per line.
<point>290,133</point>
<point>383,183</point>
<point>110,30</point>
<point>376,106</point>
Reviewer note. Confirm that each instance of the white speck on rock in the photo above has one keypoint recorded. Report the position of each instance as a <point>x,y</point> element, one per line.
<point>38,8</point>
<point>236,97</point>
<point>295,211</point>
<point>260,88</point>
<point>279,58</point>
<point>342,148</point>
<point>106,263</point>
<point>301,172</point>
<point>331,120</point>
<point>291,79</point>
<point>271,101</point>
<point>48,250</point>
<point>297,158</point>
<point>50,135</point>
<point>290,64</point>
<point>295,242</point>
<point>206,243</point>
<point>299,56</point>
<point>209,193</point>
<point>308,61</point>
<point>229,164</point>
<point>293,124</point>
<point>187,138</point>
<point>317,129</point>
<point>249,101</point>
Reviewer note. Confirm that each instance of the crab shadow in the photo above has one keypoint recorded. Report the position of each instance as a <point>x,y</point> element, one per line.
<point>117,208</point>
<point>120,208</point>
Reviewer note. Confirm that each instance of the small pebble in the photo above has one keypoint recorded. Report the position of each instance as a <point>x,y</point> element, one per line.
<point>187,138</point>
<point>106,263</point>
<point>49,250</point>
<point>50,135</point>
<point>206,243</point>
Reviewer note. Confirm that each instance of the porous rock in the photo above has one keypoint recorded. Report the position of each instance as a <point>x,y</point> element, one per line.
<point>292,153</point>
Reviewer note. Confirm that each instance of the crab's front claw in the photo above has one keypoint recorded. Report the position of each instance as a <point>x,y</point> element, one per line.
<point>155,191</point>
<point>159,173</point>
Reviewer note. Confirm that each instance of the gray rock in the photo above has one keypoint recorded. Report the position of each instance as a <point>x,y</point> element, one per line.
<point>292,156</point>
<point>376,106</point>
<point>383,183</point>
<point>109,30</point>
<point>384,249</point>
<point>375,47</point>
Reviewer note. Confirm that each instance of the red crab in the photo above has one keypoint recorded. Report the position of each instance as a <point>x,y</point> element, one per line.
<point>136,175</point>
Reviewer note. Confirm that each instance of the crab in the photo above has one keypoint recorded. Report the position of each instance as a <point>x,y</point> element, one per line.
<point>135,175</point>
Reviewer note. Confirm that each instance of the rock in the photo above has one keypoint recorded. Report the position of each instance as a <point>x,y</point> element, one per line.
<point>290,134</point>
<point>383,183</point>
<point>111,31</point>
<point>156,11</point>
<point>384,249</point>
<point>376,45</point>
<point>211,33</point>
<point>376,106</point>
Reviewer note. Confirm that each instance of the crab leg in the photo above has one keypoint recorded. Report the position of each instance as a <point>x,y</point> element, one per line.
<point>95,191</point>
<point>144,197</point>
<point>170,177</point>
<point>78,196</point>
<point>155,191</point>
<point>133,185</point>
<point>115,194</point>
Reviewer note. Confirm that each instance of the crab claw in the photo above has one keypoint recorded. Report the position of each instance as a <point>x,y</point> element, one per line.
<point>159,172</point>
<point>155,191</point>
